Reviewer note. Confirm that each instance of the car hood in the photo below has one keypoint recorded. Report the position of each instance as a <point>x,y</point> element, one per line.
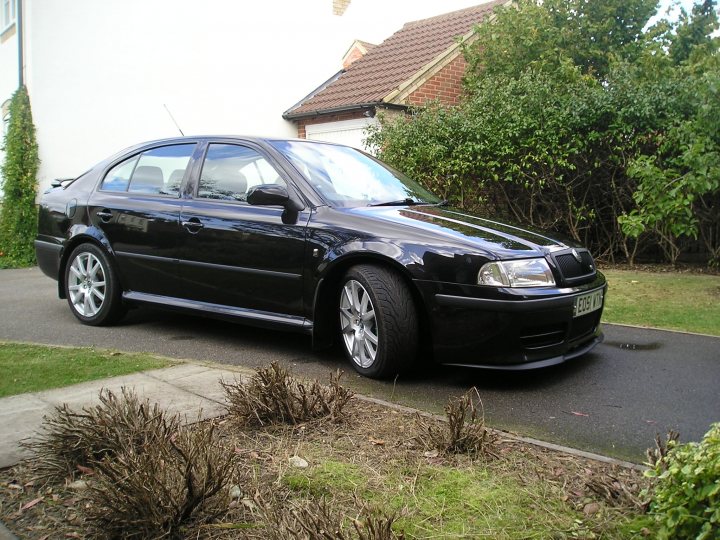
<point>456,227</point>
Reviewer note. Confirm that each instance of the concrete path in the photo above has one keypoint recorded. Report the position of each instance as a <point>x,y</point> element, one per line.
<point>188,389</point>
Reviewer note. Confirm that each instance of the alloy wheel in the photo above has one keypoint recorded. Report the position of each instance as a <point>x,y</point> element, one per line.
<point>358,323</point>
<point>86,284</point>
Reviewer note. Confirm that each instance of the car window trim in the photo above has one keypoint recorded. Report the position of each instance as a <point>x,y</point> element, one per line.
<point>137,154</point>
<point>289,183</point>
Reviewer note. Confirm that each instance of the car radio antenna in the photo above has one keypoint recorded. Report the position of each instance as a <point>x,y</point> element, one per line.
<point>173,119</point>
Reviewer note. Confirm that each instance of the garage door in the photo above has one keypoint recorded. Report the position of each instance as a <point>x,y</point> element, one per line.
<point>349,132</point>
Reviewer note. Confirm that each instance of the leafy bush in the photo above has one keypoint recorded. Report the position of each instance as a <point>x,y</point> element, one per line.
<point>273,396</point>
<point>18,215</point>
<point>686,497</point>
<point>579,117</point>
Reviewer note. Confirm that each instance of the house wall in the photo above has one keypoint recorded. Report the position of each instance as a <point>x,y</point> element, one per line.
<point>445,85</point>
<point>8,77</point>
<point>100,73</point>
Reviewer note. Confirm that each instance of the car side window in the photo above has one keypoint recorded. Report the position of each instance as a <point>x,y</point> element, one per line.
<point>118,178</point>
<point>158,171</point>
<point>230,170</point>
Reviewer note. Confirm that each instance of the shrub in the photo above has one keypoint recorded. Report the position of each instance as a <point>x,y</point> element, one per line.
<point>273,396</point>
<point>70,442</point>
<point>465,431</point>
<point>152,492</point>
<point>18,215</point>
<point>686,497</point>
<point>314,520</point>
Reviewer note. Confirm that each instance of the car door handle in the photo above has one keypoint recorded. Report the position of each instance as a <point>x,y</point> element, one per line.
<point>193,225</point>
<point>104,215</point>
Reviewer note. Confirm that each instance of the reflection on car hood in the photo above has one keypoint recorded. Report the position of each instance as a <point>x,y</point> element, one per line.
<point>458,226</point>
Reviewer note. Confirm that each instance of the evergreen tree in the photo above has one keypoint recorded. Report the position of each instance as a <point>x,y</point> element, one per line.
<point>18,215</point>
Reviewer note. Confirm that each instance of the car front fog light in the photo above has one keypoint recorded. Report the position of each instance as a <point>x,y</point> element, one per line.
<point>520,273</point>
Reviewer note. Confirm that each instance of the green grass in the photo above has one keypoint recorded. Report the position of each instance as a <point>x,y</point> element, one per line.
<point>675,301</point>
<point>30,368</point>
<point>437,501</point>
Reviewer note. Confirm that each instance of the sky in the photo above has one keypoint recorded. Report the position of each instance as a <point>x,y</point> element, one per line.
<point>376,20</point>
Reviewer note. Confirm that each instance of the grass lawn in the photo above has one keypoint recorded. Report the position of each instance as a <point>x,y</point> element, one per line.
<point>30,368</point>
<point>673,300</point>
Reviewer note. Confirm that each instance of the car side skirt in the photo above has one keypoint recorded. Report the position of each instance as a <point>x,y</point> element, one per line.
<point>251,317</point>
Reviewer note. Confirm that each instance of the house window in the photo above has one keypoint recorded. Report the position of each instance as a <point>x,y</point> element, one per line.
<point>7,14</point>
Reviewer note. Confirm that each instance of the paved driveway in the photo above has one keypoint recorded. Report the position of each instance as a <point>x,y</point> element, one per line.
<point>613,402</point>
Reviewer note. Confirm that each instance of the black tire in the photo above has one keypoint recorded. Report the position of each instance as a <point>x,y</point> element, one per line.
<point>395,324</point>
<point>92,287</point>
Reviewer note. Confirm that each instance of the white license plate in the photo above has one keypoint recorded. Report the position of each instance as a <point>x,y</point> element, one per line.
<point>587,303</point>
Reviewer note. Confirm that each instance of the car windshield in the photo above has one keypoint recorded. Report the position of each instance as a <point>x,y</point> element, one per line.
<point>347,177</point>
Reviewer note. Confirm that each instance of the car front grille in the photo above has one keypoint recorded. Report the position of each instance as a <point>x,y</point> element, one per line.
<point>543,336</point>
<point>574,271</point>
<point>583,326</point>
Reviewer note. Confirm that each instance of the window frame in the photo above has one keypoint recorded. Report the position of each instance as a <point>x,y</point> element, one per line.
<point>242,144</point>
<point>11,6</point>
<point>137,156</point>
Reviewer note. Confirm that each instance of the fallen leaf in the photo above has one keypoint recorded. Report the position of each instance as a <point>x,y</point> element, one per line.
<point>377,442</point>
<point>85,470</point>
<point>31,504</point>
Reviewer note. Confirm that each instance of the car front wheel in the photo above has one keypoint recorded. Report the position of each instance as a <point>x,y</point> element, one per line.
<point>378,321</point>
<point>92,289</point>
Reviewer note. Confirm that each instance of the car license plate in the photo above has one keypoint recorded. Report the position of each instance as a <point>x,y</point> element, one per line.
<point>587,303</point>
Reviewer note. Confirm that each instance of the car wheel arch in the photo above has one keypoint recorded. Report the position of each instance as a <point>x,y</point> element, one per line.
<point>326,294</point>
<point>87,236</point>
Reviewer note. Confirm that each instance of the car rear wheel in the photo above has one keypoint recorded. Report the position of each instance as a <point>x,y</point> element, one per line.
<point>92,289</point>
<point>378,321</point>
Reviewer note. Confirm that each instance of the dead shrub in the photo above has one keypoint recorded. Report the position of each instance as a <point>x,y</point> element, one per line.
<point>273,396</point>
<point>71,442</point>
<point>152,491</point>
<point>657,456</point>
<point>618,490</point>
<point>464,432</point>
<point>314,520</point>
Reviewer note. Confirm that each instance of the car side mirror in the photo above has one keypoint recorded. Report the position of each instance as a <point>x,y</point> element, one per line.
<point>272,195</point>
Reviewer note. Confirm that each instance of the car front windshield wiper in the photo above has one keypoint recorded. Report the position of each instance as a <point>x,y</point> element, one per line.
<point>400,202</point>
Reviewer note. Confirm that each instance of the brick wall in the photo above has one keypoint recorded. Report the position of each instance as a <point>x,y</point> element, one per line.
<point>352,115</point>
<point>445,85</point>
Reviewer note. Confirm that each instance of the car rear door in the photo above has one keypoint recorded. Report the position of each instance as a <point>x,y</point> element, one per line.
<point>237,255</point>
<point>137,207</point>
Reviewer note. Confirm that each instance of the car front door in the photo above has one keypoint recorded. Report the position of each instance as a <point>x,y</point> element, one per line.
<point>137,206</point>
<point>237,255</point>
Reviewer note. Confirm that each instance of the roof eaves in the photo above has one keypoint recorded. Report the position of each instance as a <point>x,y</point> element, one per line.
<point>333,110</point>
<point>320,88</point>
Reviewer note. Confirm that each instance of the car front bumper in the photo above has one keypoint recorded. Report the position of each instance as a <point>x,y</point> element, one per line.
<point>509,329</point>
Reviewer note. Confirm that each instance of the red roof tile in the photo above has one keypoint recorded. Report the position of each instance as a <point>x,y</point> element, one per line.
<point>394,61</point>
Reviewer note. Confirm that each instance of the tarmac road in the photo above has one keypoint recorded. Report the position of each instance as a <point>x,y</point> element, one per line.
<point>613,401</point>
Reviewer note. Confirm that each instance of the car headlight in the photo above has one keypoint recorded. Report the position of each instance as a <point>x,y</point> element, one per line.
<point>520,273</point>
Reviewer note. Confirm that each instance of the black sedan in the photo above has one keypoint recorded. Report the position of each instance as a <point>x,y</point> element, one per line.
<point>319,238</point>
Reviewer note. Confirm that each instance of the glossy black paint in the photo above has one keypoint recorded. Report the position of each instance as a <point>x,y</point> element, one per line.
<point>279,265</point>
